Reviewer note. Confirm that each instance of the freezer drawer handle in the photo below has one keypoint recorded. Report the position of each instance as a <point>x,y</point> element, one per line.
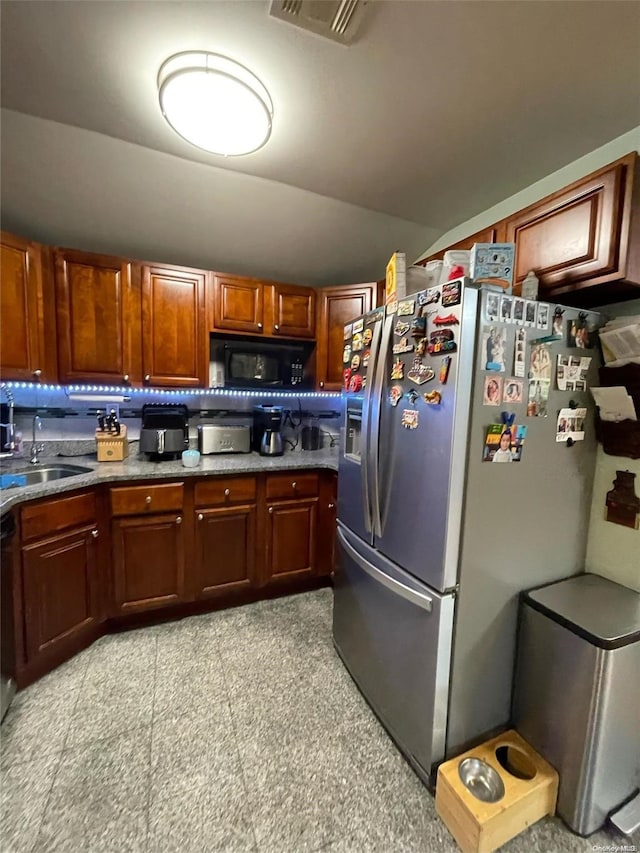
<point>423,601</point>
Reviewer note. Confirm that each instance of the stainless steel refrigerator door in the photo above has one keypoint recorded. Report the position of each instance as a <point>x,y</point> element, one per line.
<point>394,636</point>
<point>354,478</point>
<point>418,474</point>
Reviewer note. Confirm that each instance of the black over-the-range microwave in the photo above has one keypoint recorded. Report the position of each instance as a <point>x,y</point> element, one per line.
<point>249,363</point>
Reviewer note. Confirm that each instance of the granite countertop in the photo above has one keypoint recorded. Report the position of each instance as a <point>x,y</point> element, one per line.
<point>139,468</point>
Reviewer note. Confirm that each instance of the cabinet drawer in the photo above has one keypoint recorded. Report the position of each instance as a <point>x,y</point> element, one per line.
<point>136,500</point>
<point>216,492</point>
<point>293,485</point>
<point>47,518</point>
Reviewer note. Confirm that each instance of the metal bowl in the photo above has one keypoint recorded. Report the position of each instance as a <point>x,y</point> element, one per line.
<point>481,780</point>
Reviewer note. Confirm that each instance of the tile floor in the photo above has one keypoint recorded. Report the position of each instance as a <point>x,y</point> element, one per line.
<point>234,731</point>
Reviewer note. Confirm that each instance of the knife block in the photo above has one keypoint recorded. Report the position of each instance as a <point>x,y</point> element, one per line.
<point>111,447</point>
<point>530,792</point>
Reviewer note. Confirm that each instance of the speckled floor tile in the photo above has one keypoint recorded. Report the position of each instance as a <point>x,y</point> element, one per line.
<point>126,658</point>
<point>35,725</point>
<point>190,751</point>
<point>108,708</point>
<point>99,799</point>
<point>189,685</point>
<point>23,797</point>
<point>204,819</point>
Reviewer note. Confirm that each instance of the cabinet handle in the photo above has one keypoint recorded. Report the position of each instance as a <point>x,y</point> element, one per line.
<point>125,378</point>
<point>227,492</point>
<point>95,533</point>
<point>200,516</point>
<point>147,377</point>
<point>37,374</point>
<point>147,500</point>
<point>322,384</point>
<point>294,485</point>
<point>331,506</point>
<point>179,520</point>
<point>259,325</point>
<point>277,327</point>
<point>270,510</point>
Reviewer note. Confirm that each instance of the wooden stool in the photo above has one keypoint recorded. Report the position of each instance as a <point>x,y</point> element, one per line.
<point>523,787</point>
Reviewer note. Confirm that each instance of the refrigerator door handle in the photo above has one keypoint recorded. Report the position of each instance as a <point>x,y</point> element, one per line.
<point>422,600</point>
<point>374,454</point>
<point>366,418</point>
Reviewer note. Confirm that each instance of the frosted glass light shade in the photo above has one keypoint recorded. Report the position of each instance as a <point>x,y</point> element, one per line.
<point>215,103</point>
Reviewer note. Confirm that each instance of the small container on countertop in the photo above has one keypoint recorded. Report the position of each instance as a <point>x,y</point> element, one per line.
<point>190,458</point>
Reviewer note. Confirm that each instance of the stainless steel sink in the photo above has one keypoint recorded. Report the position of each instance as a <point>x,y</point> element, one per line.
<point>44,474</point>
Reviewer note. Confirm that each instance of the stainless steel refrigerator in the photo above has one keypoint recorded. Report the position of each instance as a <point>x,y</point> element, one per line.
<point>435,544</point>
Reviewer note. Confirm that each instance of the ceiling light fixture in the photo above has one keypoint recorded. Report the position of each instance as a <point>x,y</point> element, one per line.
<point>215,103</point>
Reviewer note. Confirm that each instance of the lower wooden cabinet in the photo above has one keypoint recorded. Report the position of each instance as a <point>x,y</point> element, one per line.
<point>225,550</point>
<point>61,590</point>
<point>148,562</point>
<point>291,539</point>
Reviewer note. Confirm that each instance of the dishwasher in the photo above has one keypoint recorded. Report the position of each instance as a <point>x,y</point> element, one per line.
<point>577,696</point>
<point>7,684</point>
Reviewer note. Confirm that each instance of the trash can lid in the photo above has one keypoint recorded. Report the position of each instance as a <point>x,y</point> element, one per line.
<point>603,612</point>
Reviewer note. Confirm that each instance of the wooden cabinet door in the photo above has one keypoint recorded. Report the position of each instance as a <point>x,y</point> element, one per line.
<point>175,344</point>
<point>148,562</point>
<point>338,306</point>
<point>238,304</point>
<point>294,311</point>
<point>572,236</point>
<point>225,545</point>
<point>328,505</point>
<point>99,323</point>
<point>61,590</point>
<point>291,539</point>
<point>26,301</point>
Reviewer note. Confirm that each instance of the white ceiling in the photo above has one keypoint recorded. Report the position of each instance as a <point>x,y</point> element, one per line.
<point>437,111</point>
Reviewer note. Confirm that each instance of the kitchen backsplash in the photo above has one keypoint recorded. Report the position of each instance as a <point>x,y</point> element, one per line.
<point>69,418</point>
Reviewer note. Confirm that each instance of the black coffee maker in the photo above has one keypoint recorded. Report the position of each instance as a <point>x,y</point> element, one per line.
<point>165,430</point>
<point>267,430</point>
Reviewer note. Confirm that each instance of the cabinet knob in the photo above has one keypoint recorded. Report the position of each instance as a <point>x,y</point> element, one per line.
<point>276,327</point>
<point>322,384</point>
<point>294,485</point>
<point>37,374</point>
<point>227,492</point>
<point>147,377</point>
<point>270,510</point>
<point>95,533</point>
<point>200,516</point>
<point>332,506</point>
<point>179,520</point>
<point>147,500</point>
<point>259,325</point>
<point>125,378</point>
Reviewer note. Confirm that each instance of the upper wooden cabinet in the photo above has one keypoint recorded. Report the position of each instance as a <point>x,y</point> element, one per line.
<point>294,311</point>
<point>175,347</point>
<point>27,334</point>
<point>582,237</point>
<point>98,309</point>
<point>338,306</point>
<point>238,304</point>
<point>487,235</point>
<point>257,307</point>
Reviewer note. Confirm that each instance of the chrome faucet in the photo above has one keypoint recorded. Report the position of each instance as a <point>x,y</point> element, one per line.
<point>35,447</point>
<point>10,443</point>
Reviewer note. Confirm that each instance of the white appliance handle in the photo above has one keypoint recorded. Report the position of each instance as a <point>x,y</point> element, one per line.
<point>364,437</point>
<point>395,586</point>
<point>374,454</point>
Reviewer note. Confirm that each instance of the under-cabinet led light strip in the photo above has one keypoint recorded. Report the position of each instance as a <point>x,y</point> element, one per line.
<point>222,392</point>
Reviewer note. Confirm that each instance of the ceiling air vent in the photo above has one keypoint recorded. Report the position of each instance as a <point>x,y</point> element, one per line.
<point>338,20</point>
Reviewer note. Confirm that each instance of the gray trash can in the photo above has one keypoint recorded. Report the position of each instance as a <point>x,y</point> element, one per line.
<point>577,692</point>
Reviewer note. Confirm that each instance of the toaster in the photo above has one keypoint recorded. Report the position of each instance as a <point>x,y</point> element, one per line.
<point>215,438</point>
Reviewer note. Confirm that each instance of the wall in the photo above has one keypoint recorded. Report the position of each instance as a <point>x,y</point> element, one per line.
<point>612,550</point>
<point>578,169</point>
